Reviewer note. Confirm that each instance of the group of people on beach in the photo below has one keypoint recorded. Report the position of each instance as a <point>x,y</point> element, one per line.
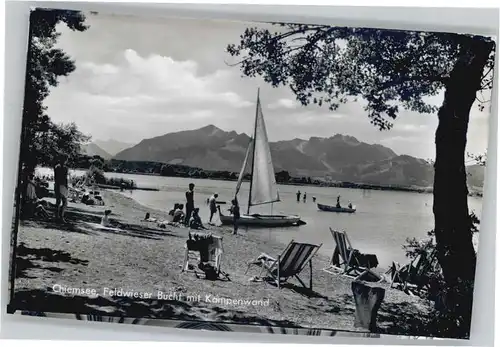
<point>37,188</point>
<point>189,215</point>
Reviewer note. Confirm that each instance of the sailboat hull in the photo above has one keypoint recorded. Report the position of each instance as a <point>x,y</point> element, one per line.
<point>258,220</point>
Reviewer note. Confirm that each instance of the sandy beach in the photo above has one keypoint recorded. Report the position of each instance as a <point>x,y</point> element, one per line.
<point>106,268</point>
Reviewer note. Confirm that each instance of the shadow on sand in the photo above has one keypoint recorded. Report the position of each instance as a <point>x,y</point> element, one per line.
<point>26,256</point>
<point>77,221</point>
<point>404,319</point>
<point>44,301</point>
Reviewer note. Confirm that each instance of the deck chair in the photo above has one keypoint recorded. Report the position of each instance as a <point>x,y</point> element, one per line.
<point>344,261</point>
<point>288,264</point>
<point>413,275</point>
<point>213,253</point>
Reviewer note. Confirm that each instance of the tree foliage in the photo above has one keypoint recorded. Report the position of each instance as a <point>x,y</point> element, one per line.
<point>45,64</point>
<point>58,139</point>
<point>388,69</point>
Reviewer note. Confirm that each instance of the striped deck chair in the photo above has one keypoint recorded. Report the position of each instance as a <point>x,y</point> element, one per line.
<point>414,274</point>
<point>343,260</point>
<point>288,264</point>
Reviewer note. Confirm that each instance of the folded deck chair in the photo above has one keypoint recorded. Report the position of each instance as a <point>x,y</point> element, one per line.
<point>414,274</point>
<point>201,251</point>
<point>345,260</point>
<point>289,263</point>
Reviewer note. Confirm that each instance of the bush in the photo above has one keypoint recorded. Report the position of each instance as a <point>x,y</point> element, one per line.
<point>444,323</point>
<point>96,175</point>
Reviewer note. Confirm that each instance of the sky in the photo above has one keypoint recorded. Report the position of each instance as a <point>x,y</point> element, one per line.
<point>139,77</point>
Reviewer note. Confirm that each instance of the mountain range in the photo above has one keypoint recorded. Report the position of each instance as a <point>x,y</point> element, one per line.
<point>104,149</point>
<point>339,158</point>
<point>112,146</point>
<point>92,149</point>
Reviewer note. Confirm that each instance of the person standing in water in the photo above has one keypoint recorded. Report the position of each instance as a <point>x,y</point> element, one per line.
<point>61,187</point>
<point>305,197</point>
<point>189,203</point>
<point>298,196</point>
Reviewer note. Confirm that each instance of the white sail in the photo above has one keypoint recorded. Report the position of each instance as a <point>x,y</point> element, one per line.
<point>263,185</point>
<point>243,168</point>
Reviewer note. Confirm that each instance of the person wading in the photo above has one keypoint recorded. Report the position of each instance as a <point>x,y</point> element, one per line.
<point>189,203</point>
<point>61,187</point>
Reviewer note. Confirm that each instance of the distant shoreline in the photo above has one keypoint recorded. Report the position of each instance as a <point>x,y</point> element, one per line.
<point>316,183</point>
<point>298,184</point>
<point>351,185</point>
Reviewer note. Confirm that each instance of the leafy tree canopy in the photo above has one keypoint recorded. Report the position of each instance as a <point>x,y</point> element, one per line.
<point>58,139</point>
<point>45,64</point>
<point>330,65</point>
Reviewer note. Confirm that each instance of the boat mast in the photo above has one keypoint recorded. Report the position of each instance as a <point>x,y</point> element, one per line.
<point>253,151</point>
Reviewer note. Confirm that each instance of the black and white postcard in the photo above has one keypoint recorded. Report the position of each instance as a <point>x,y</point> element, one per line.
<point>245,176</point>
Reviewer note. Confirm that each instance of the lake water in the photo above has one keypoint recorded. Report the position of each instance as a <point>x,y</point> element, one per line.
<point>381,224</point>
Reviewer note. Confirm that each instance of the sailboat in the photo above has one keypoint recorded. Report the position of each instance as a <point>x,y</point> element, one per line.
<point>263,187</point>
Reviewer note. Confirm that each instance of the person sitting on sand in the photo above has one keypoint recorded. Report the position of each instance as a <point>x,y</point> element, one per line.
<point>147,218</point>
<point>33,205</point>
<point>171,212</point>
<point>213,206</point>
<point>178,214</point>
<point>86,199</point>
<point>105,219</point>
<point>195,220</point>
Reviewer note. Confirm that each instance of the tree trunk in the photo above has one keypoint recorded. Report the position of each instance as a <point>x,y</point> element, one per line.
<point>452,222</point>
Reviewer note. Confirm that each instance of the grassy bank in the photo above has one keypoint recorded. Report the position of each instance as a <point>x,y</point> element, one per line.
<point>147,259</point>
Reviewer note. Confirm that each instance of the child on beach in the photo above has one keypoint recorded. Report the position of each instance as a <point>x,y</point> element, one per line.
<point>195,220</point>
<point>171,212</point>
<point>179,214</point>
<point>235,211</point>
<point>105,219</point>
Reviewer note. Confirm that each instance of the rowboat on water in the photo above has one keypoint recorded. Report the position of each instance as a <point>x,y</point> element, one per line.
<point>329,208</point>
<point>263,187</point>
